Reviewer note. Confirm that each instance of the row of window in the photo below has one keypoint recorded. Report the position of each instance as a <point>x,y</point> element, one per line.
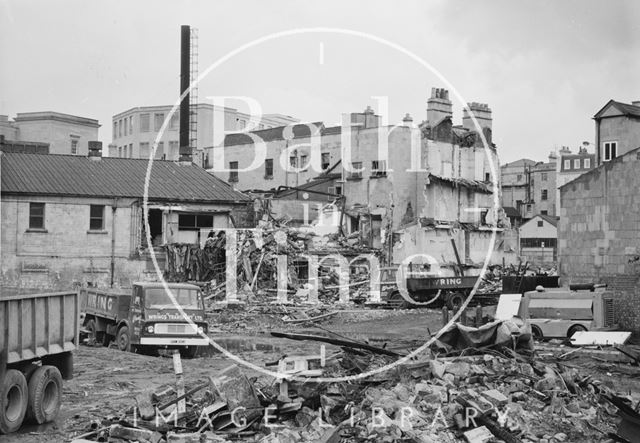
<point>37,216</point>
<point>538,242</point>
<point>126,151</point>
<point>325,160</point>
<point>378,167</point>
<point>124,126</point>
<point>577,163</point>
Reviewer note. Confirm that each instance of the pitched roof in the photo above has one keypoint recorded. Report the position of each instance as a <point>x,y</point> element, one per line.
<point>72,175</point>
<point>625,108</point>
<point>299,131</point>
<point>510,211</point>
<point>549,219</point>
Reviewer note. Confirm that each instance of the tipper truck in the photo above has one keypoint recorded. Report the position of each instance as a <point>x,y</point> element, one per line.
<point>38,333</point>
<point>144,319</point>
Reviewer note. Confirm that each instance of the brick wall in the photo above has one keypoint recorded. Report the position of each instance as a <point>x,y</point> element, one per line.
<point>627,299</point>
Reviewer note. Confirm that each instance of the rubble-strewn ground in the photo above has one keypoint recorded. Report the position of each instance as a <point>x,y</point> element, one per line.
<point>107,380</point>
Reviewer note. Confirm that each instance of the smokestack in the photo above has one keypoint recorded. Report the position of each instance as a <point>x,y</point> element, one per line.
<point>185,52</point>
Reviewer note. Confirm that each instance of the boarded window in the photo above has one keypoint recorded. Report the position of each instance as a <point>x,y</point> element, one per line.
<point>36,215</point>
<point>96,217</point>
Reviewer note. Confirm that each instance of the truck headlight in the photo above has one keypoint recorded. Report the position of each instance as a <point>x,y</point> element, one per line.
<point>200,330</point>
<point>150,329</point>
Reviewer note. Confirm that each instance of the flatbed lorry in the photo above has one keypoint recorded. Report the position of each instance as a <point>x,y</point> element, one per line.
<point>144,318</point>
<point>38,334</point>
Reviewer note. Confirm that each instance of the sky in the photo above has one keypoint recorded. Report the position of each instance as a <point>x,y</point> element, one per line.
<point>544,67</point>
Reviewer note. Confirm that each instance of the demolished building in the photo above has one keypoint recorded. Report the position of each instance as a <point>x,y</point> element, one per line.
<point>410,187</point>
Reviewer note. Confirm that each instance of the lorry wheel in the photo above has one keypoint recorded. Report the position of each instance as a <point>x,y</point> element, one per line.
<point>536,332</point>
<point>45,394</point>
<point>189,352</point>
<point>91,327</point>
<point>455,300</point>
<point>14,397</point>
<point>575,328</point>
<point>397,301</point>
<point>123,339</point>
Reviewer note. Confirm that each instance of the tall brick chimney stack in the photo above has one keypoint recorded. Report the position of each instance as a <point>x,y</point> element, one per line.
<point>438,106</point>
<point>481,112</point>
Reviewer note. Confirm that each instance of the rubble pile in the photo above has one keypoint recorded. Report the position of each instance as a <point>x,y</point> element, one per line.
<point>257,263</point>
<point>476,398</point>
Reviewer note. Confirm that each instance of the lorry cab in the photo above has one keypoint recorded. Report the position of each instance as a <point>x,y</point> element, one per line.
<point>148,317</point>
<point>560,312</point>
<point>159,322</point>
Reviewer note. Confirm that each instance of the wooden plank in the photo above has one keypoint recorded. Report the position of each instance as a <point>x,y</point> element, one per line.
<point>177,368</point>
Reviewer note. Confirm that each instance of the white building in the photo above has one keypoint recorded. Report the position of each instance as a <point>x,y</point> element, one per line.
<point>64,133</point>
<point>134,131</point>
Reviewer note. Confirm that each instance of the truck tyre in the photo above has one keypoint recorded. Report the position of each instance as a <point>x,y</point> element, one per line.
<point>123,339</point>
<point>93,336</point>
<point>189,352</point>
<point>397,301</point>
<point>536,332</point>
<point>14,398</point>
<point>45,395</point>
<point>455,300</point>
<point>575,328</point>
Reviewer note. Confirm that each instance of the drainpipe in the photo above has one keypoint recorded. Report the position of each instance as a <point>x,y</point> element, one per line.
<point>113,240</point>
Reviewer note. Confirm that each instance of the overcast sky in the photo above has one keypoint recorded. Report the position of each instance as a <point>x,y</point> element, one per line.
<point>544,67</point>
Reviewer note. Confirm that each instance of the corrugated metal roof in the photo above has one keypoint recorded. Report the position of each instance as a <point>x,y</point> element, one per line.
<point>37,174</point>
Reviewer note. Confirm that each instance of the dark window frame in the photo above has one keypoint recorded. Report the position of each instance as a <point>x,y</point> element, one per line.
<point>96,217</point>
<point>37,212</point>
<point>268,168</point>
<point>233,172</point>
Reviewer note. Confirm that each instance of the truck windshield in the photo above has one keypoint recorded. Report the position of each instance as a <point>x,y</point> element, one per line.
<point>157,298</point>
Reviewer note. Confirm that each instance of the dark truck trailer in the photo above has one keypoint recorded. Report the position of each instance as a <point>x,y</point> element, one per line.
<point>145,319</point>
<point>514,284</point>
<point>38,334</point>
